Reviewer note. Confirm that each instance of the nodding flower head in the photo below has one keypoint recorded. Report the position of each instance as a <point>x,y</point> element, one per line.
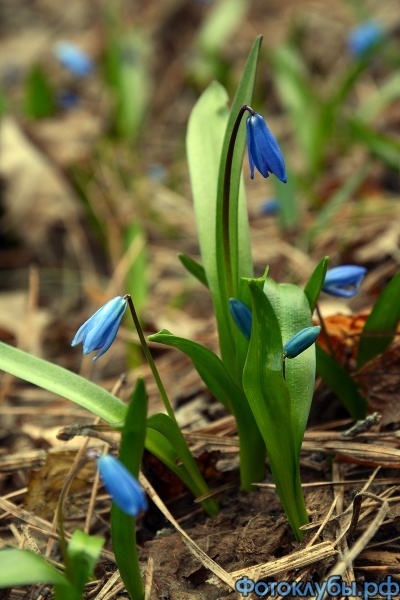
<point>242,316</point>
<point>98,332</point>
<point>301,341</point>
<point>122,486</point>
<point>344,281</point>
<point>263,149</point>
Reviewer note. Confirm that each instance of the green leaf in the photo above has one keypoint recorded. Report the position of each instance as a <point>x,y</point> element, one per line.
<point>221,20</point>
<point>214,374</point>
<point>22,567</point>
<point>340,382</point>
<point>65,383</point>
<point>123,526</point>
<point>39,102</point>
<point>314,284</point>
<point>382,322</point>
<point>137,253</point>
<point>83,552</point>
<point>194,268</point>
<point>269,397</point>
<point>293,313</point>
<point>209,132</point>
<point>170,430</point>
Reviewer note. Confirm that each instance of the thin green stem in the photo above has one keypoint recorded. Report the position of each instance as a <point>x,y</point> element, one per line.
<point>150,359</point>
<point>225,201</point>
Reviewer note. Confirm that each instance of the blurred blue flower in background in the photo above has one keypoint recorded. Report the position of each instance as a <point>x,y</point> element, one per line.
<point>74,59</point>
<point>122,486</point>
<point>100,330</point>
<point>364,37</point>
<point>344,281</point>
<point>263,149</point>
<point>301,341</point>
<point>270,207</point>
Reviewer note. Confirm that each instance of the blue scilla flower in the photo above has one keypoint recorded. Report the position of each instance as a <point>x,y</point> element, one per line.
<point>122,486</point>
<point>364,37</point>
<point>74,59</point>
<point>263,149</point>
<point>344,281</point>
<point>242,316</point>
<point>270,207</point>
<point>301,341</point>
<point>98,332</point>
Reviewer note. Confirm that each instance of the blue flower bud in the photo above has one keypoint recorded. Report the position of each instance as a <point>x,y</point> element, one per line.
<point>301,341</point>
<point>242,316</point>
<point>364,37</point>
<point>263,149</point>
<point>122,486</point>
<point>74,59</point>
<point>344,281</point>
<point>98,332</point>
<point>270,207</point>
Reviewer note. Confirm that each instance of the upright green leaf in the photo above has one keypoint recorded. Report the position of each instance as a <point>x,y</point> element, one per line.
<point>293,313</point>
<point>123,526</point>
<point>314,284</point>
<point>83,553</point>
<point>381,323</point>
<point>269,397</point>
<point>340,382</point>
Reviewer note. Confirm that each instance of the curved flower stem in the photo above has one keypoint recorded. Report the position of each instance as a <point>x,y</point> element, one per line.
<point>225,200</point>
<point>150,359</point>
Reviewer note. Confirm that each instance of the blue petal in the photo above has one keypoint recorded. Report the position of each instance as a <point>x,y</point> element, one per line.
<point>264,150</point>
<point>301,341</point>
<point>242,316</point>
<point>344,281</point>
<point>364,37</point>
<point>121,485</point>
<point>100,330</point>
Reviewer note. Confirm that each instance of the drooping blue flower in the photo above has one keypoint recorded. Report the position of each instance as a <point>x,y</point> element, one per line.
<point>344,281</point>
<point>364,37</point>
<point>263,149</point>
<point>242,316</point>
<point>301,341</point>
<point>98,332</point>
<point>122,486</point>
<point>74,59</point>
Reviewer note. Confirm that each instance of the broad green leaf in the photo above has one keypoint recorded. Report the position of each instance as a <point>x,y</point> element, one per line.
<point>380,98</point>
<point>293,313</point>
<point>194,268</point>
<point>170,430</point>
<point>209,132</point>
<point>62,382</point>
<point>123,526</point>
<point>83,552</point>
<point>22,567</point>
<point>340,382</point>
<point>269,397</point>
<point>381,323</point>
<point>158,445</point>
<point>314,284</point>
<point>214,374</point>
